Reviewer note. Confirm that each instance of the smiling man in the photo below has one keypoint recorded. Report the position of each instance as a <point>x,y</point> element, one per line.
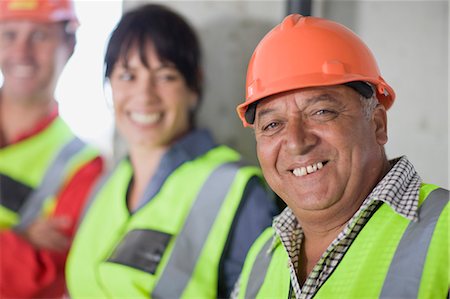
<point>46,172</point>
<point>357,225</point>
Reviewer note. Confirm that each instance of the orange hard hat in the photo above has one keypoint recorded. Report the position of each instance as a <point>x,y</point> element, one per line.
<point>306,52</point>
<point>47,11</point>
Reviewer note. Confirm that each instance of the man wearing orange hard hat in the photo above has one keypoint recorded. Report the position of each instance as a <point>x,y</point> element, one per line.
<point>357,224</point>
<point>46,172</point>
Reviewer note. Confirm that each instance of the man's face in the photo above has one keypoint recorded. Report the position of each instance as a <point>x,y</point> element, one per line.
<point>316,148</point>
<point>32,56</point>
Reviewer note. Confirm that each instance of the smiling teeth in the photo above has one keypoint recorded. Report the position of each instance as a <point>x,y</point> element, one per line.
<point>145,118</point>
<point>308,169</point>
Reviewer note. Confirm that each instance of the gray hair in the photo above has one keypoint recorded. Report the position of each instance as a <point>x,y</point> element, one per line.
<point>369,104</point>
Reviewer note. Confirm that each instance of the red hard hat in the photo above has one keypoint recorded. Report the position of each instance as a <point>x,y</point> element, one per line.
<point>47,11</point>
<point>309,51</point>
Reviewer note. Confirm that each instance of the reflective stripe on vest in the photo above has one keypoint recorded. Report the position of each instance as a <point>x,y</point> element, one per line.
<point>98,185</point>
<point>259,270</point>
<point>409,257</point>
<point>51,182</point>
<point>410,250</point>
<point>178,270</point>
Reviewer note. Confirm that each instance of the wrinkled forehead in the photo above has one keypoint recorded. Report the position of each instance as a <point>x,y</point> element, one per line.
<point>303,97</point>
<point>307,96</point>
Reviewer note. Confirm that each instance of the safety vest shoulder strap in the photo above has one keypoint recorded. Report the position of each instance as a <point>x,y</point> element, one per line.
<point>261,263</point>
<point>51,182</point>
<point>199,222</point>
<point>266,255</point>
<point>409,249</point>
<point>98,185</point>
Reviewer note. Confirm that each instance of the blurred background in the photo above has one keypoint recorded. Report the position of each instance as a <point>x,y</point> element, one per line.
<point>410,40</point>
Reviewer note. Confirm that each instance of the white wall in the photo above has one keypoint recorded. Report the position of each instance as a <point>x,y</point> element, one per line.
<point>80,92</point>
<point>409,39</point>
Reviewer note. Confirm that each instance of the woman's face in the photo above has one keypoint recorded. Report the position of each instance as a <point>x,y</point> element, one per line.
<point>151,103</point>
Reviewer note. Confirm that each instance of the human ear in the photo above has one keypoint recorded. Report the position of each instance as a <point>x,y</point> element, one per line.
<point>193,100</point>
<point>379,118</point>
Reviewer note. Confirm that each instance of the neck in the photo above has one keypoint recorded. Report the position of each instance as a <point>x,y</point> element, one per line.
<point>19,116</point>
<point>145,163</point>
<point>316,240</point>
<point>320,229</point>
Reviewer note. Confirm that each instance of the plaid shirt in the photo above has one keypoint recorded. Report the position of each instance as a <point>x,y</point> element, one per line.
<point>399,189</point>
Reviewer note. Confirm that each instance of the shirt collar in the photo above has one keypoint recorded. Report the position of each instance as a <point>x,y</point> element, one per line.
<point>286,227</point>
<point>399,189</point>
<point>188,148</point>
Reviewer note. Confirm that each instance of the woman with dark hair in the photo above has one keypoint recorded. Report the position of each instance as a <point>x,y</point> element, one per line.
<point>177,215</point>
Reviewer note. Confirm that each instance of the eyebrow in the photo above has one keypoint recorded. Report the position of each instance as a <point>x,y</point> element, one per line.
<point>326,97</point>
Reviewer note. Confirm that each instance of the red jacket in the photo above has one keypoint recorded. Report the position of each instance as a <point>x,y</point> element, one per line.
<point>26,272</point>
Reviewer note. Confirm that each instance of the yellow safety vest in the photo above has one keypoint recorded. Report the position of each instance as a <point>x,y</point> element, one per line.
<point>169,248</point>
<point>392,257</point>
<point>33,171</point>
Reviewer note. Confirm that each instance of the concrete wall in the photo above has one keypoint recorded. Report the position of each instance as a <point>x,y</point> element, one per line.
<point>408,38</point>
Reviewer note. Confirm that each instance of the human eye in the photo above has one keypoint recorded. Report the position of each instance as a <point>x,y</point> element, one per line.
<point>167,75</point>
<point>125,76</point>
<point>269,127</point>
<point>39,36</point>
<point>324,114</point>
<point>7,36</point>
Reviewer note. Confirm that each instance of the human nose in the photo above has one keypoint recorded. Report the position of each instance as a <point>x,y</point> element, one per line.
<point>299,138</point>
<point>147,91</point>
<point>21,48</point>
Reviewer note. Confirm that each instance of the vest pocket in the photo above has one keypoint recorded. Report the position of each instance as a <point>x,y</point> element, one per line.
<point>13,194</point>
<point>141,249</point>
